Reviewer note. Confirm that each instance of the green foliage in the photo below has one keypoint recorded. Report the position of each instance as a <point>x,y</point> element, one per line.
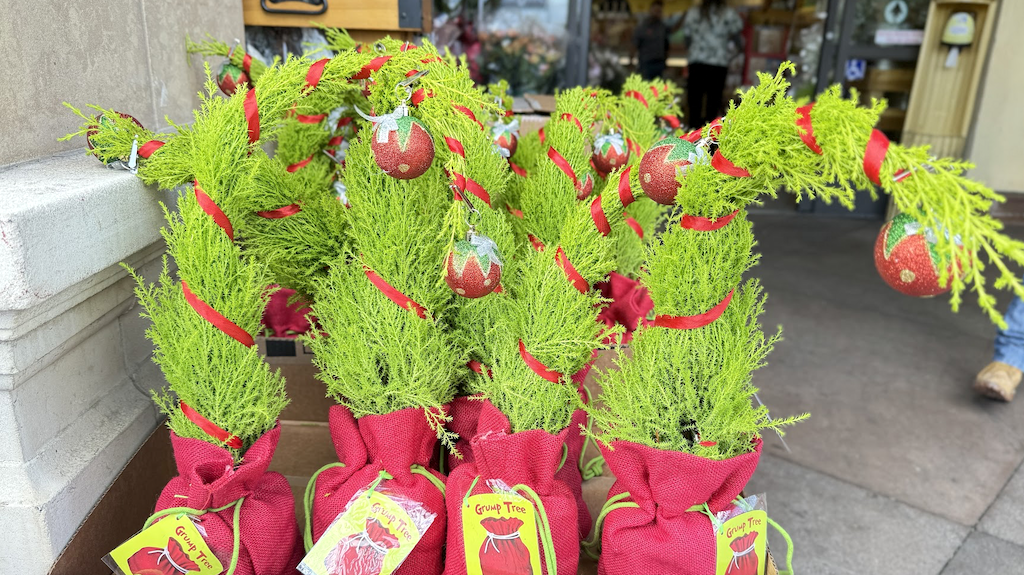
<point>213,47</point>
<point>684,387</point>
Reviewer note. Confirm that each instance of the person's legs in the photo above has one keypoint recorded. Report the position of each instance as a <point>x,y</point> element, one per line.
<point>651,70</point>
<point>999,379</point>
<point>1009,346</point>
<point>696,89</point>
<point>714,88</point>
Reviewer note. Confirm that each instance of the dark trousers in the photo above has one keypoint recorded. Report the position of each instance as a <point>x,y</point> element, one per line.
<point>652,69</point>
<point>704,93</point>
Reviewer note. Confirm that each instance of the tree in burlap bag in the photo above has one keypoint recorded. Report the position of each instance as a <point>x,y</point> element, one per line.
<point>223,401</point>
<point>525,461</point>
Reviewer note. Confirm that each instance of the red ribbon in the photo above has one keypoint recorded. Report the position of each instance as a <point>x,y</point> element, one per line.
<point>874,155</point>
<point>213,316</point>
<point>465,184</point>
<point>282,212</point>
<point>693,321</point>
<point>211,208</point>
<point>535,242</point>
<point>700,224</point>
<point>638,96</point>
<point>418,96</point>
<point>633,147</point>
<point>401,300</point>
<point>252,115</point>
<point>562,164</point>
<point>540,134</point>
<point>600,219</point>
<point>806,129</point>
<point>517,169</point>
<point>299,165</point>
<point>310,119</point>
<point>672,121</point>
<point>371,67</point>
<point>514,212</point>
<point>567,116</point>
<point>574,276</point>
<point>654,90</point>
<point>469,113</point>
<point>407,46</point>
<point>625,189</point>
<point>724,166</point>
<point>635,225</point>
<point>335,141</point>
<point>209,427</point>
<point>478,367</point>
<point>411,73</point>
<point>693,137</point>
<point>509,113</point>
<point>715,127</point>
<point>538,367</point>
<point>455,146</point>
<point>247,64</point>
<point>147,149</point>
<point>315,71</point>
<point>431,59</point>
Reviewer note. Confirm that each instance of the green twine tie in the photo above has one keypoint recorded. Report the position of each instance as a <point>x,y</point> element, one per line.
<point>235,533</point>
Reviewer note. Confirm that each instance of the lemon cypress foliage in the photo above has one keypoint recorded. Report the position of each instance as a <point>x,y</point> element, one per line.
<point>378,356</point>
<point>218,376</point>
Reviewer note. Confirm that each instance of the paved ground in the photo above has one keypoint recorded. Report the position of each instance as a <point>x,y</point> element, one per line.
<point>901,469</point>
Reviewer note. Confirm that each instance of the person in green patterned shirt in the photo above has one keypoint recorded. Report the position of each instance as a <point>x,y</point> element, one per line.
<point>708,30</point>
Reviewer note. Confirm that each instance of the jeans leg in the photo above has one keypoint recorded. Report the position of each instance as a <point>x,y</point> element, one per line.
<point>1009,345</point>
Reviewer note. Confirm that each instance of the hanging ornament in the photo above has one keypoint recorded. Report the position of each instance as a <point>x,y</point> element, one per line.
<point>906,258</point>
<point>473,266</point>
<point>102,125</point>
<point>506,136</point>
<point>230,77</point>
<point>341,193</point>
<point>584,187</point>
<point>610,152</point>
<point>662,163</point>
<point>401,144</point>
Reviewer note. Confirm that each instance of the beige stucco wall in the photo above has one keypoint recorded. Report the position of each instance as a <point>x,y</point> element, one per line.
<point>996,140</point>
<point>124,54</point>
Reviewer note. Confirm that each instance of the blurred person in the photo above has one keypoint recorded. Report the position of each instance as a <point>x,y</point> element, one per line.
<point>999,379</point>
<point>650,43</point>
<point>707,31</point>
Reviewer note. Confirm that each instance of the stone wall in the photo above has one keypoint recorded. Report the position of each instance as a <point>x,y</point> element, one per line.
<point>75,367</point>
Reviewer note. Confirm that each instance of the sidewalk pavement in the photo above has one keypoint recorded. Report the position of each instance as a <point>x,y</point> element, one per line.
<point>901,469</point>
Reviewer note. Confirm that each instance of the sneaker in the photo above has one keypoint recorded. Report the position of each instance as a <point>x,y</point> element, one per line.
<point>998,381</point>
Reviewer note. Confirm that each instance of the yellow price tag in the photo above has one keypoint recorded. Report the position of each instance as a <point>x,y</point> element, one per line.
<point>500,533</point>
<point>171,544</point>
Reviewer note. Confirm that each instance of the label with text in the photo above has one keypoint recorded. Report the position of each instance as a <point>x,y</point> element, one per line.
<point>500,533</point>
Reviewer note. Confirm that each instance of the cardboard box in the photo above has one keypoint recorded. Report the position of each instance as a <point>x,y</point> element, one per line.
<point>304,447</point>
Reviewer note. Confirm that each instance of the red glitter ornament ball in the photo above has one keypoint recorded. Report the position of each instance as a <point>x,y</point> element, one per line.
<point>473,267</point>
<point>906,259</point>
<point>610,152</point>
<point>103,124</point>
<point>230,77</point>
<point>404,150</point>
<point>661,164</point>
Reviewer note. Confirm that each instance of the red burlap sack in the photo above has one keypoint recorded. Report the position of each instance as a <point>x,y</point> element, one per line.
<point>661,536</point>
<point>503,552</point>
<point>570,473</point>
<point>394,443</point>
<point>285,320</point>
<point>465,412</point>
<point>528,458</point>
<point>269,541</point>
<point>744,559</point>
<point>629,306</point>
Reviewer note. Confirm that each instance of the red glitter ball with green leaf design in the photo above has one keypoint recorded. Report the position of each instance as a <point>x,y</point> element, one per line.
<point>610,152</point>
<point>402,148</point>
<point>473,267</point>
<point>659,166</point>
<point>906,258</point>
<point>230,77</point>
